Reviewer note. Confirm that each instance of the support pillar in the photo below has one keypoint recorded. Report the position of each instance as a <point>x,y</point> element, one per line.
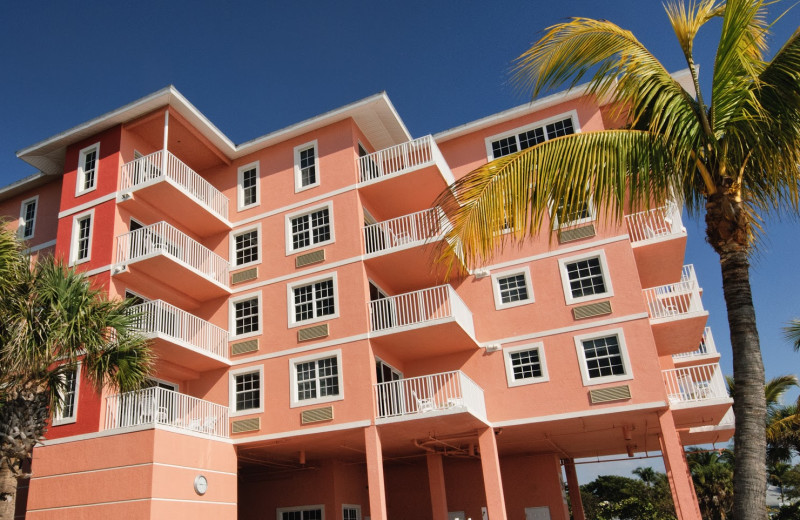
<point>377,493</point>
<point>574,490</point>
<point>680,479</point>
<point>437,486</point>
<point>492,480</point>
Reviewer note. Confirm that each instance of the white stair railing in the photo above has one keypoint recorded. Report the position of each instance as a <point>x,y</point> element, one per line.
<point>145,170</point>
<point>693,384</point>
<point>707,346</point>
<point>416,227</point>
<point>155,405</point>
<point>419,307</point>
<point>157,316</point>
<point>396,159</point>
<point>655,223</point>
<point>431,393</point>
<point>675,299</point>
<point>162,238</point>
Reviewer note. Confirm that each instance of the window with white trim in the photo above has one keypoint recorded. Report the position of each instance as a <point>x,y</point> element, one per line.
<point>301,513</point>
<point>248,186</point>
<point>81,247</point>
<point>311,301</point>
<point>505,144</point>
<point>27,218</point>
<point>316,378</point>
<point>246,316</point>
<point>351,512</point>
<point>310,229</point>
<point>603,357</point>
<point>306,166</point>
<point>579,214</point>
<point>246,392</point>
<point>512,288</point>
<point>525,364</point>
<point>585,278</point>
<point>88,160</point>
<point>246,247</point>
<point>68,396</point>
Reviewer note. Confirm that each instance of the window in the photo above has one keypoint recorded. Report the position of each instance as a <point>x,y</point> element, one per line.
<point>81,249</point>
<point>306,166</point>
<point>312,301</point>
<point>585,278</point>
<point>87,169</point>
<point>512,288</point>
<point>351,512</point>
<point>316,379</point>
<point>302,513</point>
<point>246,395</point>
<point>27,218</point>
<point>579,214</point>
<point>246,315</point>
<point>603,357</point>
<point>309,229</point>
<point>248,186</point>
<point>504,144</point>
<point>525,365</point>
<point>246,247</point>
<point>69,398</point>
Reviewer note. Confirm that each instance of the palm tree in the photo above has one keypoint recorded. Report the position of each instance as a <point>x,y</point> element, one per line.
<point>735,157</point>
<point>792,332</point>
<point>712,473</point>
<point>51,320</point>
<point>777,472</point>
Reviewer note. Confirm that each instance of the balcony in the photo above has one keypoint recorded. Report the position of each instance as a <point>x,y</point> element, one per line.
<point>658,239</point>
<point>697,395</point>
<point>157,407</point>
<point>404,178</point>
<point>161,180</point>
<point>425,323</point>
<point>167,255</point>
<point>711,433</point>
<point>707,351</point>
<point>181,338</point>
<point>676,314</point>
<point>429,396</point>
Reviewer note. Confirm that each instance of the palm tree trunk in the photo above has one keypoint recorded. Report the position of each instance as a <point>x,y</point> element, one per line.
<point>8,492</point>
<point>749,404</point>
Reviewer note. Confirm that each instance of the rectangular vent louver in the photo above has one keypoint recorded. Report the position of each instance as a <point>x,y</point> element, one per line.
<point>316,415</point>
<point>570,235</point>
<point>317,331</point>
<point>591,310</point>
<point>614,393</point>
<point>314,257</point>
<point>244,347</point>
<point>246,425</point>
<point>244,276</point>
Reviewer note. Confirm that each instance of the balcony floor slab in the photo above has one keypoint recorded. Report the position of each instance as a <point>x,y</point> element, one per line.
<point>680,333</point>
<point>167,270</point>
<point>427,339</point>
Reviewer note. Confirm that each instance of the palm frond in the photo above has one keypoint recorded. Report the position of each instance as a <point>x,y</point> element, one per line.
<point>792,333</point>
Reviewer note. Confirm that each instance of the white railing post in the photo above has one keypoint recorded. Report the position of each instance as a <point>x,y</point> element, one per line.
<point>655,223</point>
<point>696,383</point>
<point>397,159</point>
<point>431,393</point>
<point>418,307</point>
<point>677,299</point>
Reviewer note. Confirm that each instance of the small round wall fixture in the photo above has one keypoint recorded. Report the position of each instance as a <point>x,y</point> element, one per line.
<point>200,484</point>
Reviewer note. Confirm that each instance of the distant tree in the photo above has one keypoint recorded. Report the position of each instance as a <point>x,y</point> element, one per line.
<point>777,472</point>
<point>617,497</point>
<point>712,473</point>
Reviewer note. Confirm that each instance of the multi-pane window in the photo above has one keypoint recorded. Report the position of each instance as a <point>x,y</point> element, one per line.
<point>351,513</point>
<point>246,247</point>
<point>249,187</point>
<point>314,300</point>
<point>81,238</point>
<point>311,229</point>
<point>585,277</point>
<point>317,378</point>
<point>603,357</point>
<point>68,398</point>
<point>246,316</point>
<point>306,166</point>
<point>512,288</point>
<point>302,514</point>
<point>27,218</point>
<point>87,168</point>
<point>526,364</point>
<point>573,215</point>
<point>530,137</point>
<point>248,391</point>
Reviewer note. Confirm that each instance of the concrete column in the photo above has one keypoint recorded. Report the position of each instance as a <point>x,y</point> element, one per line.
<point>492,480</point>
<point>437,486</point>
<point>680,479</point>
<point>377,493</point>
<point>574,490</point>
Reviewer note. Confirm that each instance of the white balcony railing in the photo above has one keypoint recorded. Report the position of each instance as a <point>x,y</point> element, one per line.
<point>402,158</point>
<point>675,299</point>
<point>655,223</point>
<point>151,168</point>
<point>159,317</point>
<point>693,384</point>
<point>161,238</point>
<point>416,227</point>
<point>419,307</point>
<point>159,406</point>
<point>437,392</point>
<point>707,347</point>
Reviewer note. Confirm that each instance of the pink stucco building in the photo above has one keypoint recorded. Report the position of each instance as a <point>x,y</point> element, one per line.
<point>313,364</point>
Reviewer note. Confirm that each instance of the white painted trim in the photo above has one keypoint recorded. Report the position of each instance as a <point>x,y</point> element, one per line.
<point>232,315</point>
<point>539,346</point>
<point>73,248</point>
<point>498,302</point>
<point>307,431</point>
<point>307,212</point>
<point>623,351</point>
<point>352,506</point>
<point>240,205</point>
<point>22,222</point>
<point>280,510</point>
<point>290,307</point>
<point>570,114</point>
<point>295,402</point>
<point>562,268</point>
<point>298,186</point>
<point>132,429</point>
<point>299,350</point>
<point>296,205</point>
<point>300,274</point>
<point>232,247</point>
<point>58,418</point>
<point>655,405</point>
<point>150,499</point>
<point>97,271</point>
<point>45,245</point>
<point>81,178</point>
<point>126,466</point>
<point>233,412</point>
<point>86,205</point>
<point>571,328</point>
<point>572,223</point>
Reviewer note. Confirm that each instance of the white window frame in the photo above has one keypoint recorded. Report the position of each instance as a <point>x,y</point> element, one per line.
<point>279,511</point>
<point>293,362</point>
<point>562,267</point>
<point>23,223</point>
<point>288,228</point>
<point>232,252</point>
<point>58,418</point>
<point>240,185</point>
<point>232,315</point>
<point>232,390</point>
<point>498,297</point>
<point>79,189</point>
<point>577,222</point>
<point>539,346</point>
<point>571,114</point>
<point>73,249</point>
<point>623,350</point>
<point>298,186</point>
<point>310,281</point>
<point>352,506</point>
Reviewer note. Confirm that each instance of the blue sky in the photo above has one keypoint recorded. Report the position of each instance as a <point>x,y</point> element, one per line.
<point>254,67</point>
